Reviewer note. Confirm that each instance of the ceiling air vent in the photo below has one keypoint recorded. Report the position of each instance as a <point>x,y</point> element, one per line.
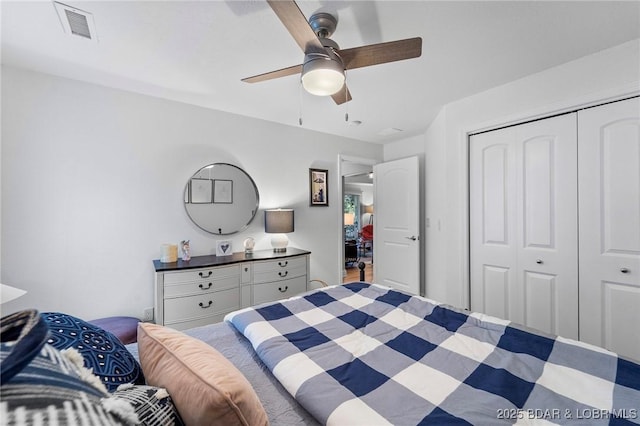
<point>76,22</point>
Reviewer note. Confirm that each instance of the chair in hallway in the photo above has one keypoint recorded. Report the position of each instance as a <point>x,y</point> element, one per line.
<point>366,242</point>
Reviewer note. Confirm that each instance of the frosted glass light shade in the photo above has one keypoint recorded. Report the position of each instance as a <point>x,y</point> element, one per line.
<point>322,76</point>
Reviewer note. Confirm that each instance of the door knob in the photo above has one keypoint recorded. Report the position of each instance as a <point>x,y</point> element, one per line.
<point>624,270</point>
<point>539,261</point>
<point>412,238</point>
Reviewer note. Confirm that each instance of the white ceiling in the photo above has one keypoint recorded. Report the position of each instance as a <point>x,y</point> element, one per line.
<point>197,52</point>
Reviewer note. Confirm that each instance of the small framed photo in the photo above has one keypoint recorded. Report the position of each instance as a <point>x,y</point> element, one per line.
<point>223,191</point>
<point>223,248</point>
<point>318,187</point>
<point>201,191</point>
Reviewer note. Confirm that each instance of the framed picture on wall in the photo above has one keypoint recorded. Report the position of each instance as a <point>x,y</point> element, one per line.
<point>318,187</point>
<point>201,191</point>
<point>223,191</point>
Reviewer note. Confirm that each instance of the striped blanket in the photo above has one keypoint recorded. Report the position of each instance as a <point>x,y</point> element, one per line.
<point>366,354</point>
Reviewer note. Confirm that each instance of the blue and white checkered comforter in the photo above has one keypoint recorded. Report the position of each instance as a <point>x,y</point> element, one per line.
<point>366,354</point>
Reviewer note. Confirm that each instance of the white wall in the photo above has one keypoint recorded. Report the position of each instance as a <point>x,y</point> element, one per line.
<point>92,184</point>
<point>602,76</point>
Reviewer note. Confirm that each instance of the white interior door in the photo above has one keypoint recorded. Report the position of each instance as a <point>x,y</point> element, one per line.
<point>523,224</point>
<point>397,224</point>
<point>609,196</point>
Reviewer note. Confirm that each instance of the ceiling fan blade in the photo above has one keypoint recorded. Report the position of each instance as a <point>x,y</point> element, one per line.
<point>296,69</point>
<point>297,25</point>
<point>381,53</point>
<point>341,96</point>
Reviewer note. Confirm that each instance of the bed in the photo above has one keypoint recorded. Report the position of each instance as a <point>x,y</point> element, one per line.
<point>366,354</point>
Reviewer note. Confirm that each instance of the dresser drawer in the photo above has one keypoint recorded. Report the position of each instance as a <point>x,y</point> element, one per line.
<point>278,270</point>
<point>191,283</point>
<point>280,264</point>
<point>206,305</point>
<point>194,288</point>
<point>201,275</point>
<point>283,274</point>
<point>268,292</point>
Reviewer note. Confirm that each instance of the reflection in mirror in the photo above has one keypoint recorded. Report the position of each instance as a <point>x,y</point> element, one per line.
<point>221,199</point>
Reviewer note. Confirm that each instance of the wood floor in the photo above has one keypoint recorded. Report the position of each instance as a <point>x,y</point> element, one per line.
<point>353,273</point>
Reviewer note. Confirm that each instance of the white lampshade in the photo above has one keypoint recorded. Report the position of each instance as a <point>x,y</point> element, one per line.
<point>349,218</point>
<point>8,293</point>
<point>279,222</point>
<point>322,76</point>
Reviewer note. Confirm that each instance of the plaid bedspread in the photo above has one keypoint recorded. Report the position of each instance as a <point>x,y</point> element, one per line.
<point>366,354</point>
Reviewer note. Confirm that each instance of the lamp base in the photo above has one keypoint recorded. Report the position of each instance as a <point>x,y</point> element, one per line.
<point>279,242</point>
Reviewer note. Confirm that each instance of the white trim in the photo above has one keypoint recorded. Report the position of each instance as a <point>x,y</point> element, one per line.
<point>573,104</point>
<point>358,160</point>
<point>585,101</point>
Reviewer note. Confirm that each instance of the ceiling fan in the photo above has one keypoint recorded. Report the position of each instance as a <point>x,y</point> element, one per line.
<point>324,66</point>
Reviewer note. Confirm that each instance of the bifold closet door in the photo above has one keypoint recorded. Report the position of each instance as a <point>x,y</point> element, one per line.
<point>523,224</point>
<point>609,197</point>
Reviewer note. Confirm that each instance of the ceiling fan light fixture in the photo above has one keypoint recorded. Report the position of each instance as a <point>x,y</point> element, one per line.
<point>322,75</point>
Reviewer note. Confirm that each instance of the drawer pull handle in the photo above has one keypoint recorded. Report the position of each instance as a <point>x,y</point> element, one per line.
<point>205,307</point>
<point>283,264</point>
<point>202,287</point>
<point>624,270</point>
<point>202,275</point>
<point>285,274</point>
<point>286,287</point>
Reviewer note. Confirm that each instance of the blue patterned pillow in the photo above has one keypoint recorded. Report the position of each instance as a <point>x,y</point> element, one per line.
<point>42,385</point>
<point>102,351</point>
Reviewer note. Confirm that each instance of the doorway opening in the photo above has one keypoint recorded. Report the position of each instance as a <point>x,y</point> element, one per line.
<point>358,210</point>
<point>348,168</point>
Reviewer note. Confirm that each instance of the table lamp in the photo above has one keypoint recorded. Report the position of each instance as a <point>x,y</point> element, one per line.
<point>349,219</point>
<point>278,222</point>
<point>369,209</point>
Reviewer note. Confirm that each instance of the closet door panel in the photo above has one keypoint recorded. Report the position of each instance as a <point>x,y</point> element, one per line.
<point>493,262</point>
<point>538,191</point>
<point>547,220</point>
<point>619,181</point>
<point>523,224</point>
<point>542,298</point>
<point>494,299</point>
<point>609,195</point>
<point>495,195</point>
<point>620,312</point>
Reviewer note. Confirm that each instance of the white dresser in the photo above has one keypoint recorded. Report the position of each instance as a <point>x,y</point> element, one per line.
<point>203,290</point>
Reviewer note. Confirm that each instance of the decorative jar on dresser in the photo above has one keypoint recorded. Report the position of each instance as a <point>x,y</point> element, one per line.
<point>204,289</point>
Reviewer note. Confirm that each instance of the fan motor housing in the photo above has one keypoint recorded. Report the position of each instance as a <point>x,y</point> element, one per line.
<point>323,24</point>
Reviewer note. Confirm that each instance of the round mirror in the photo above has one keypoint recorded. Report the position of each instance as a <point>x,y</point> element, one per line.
<point>221,199</point>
